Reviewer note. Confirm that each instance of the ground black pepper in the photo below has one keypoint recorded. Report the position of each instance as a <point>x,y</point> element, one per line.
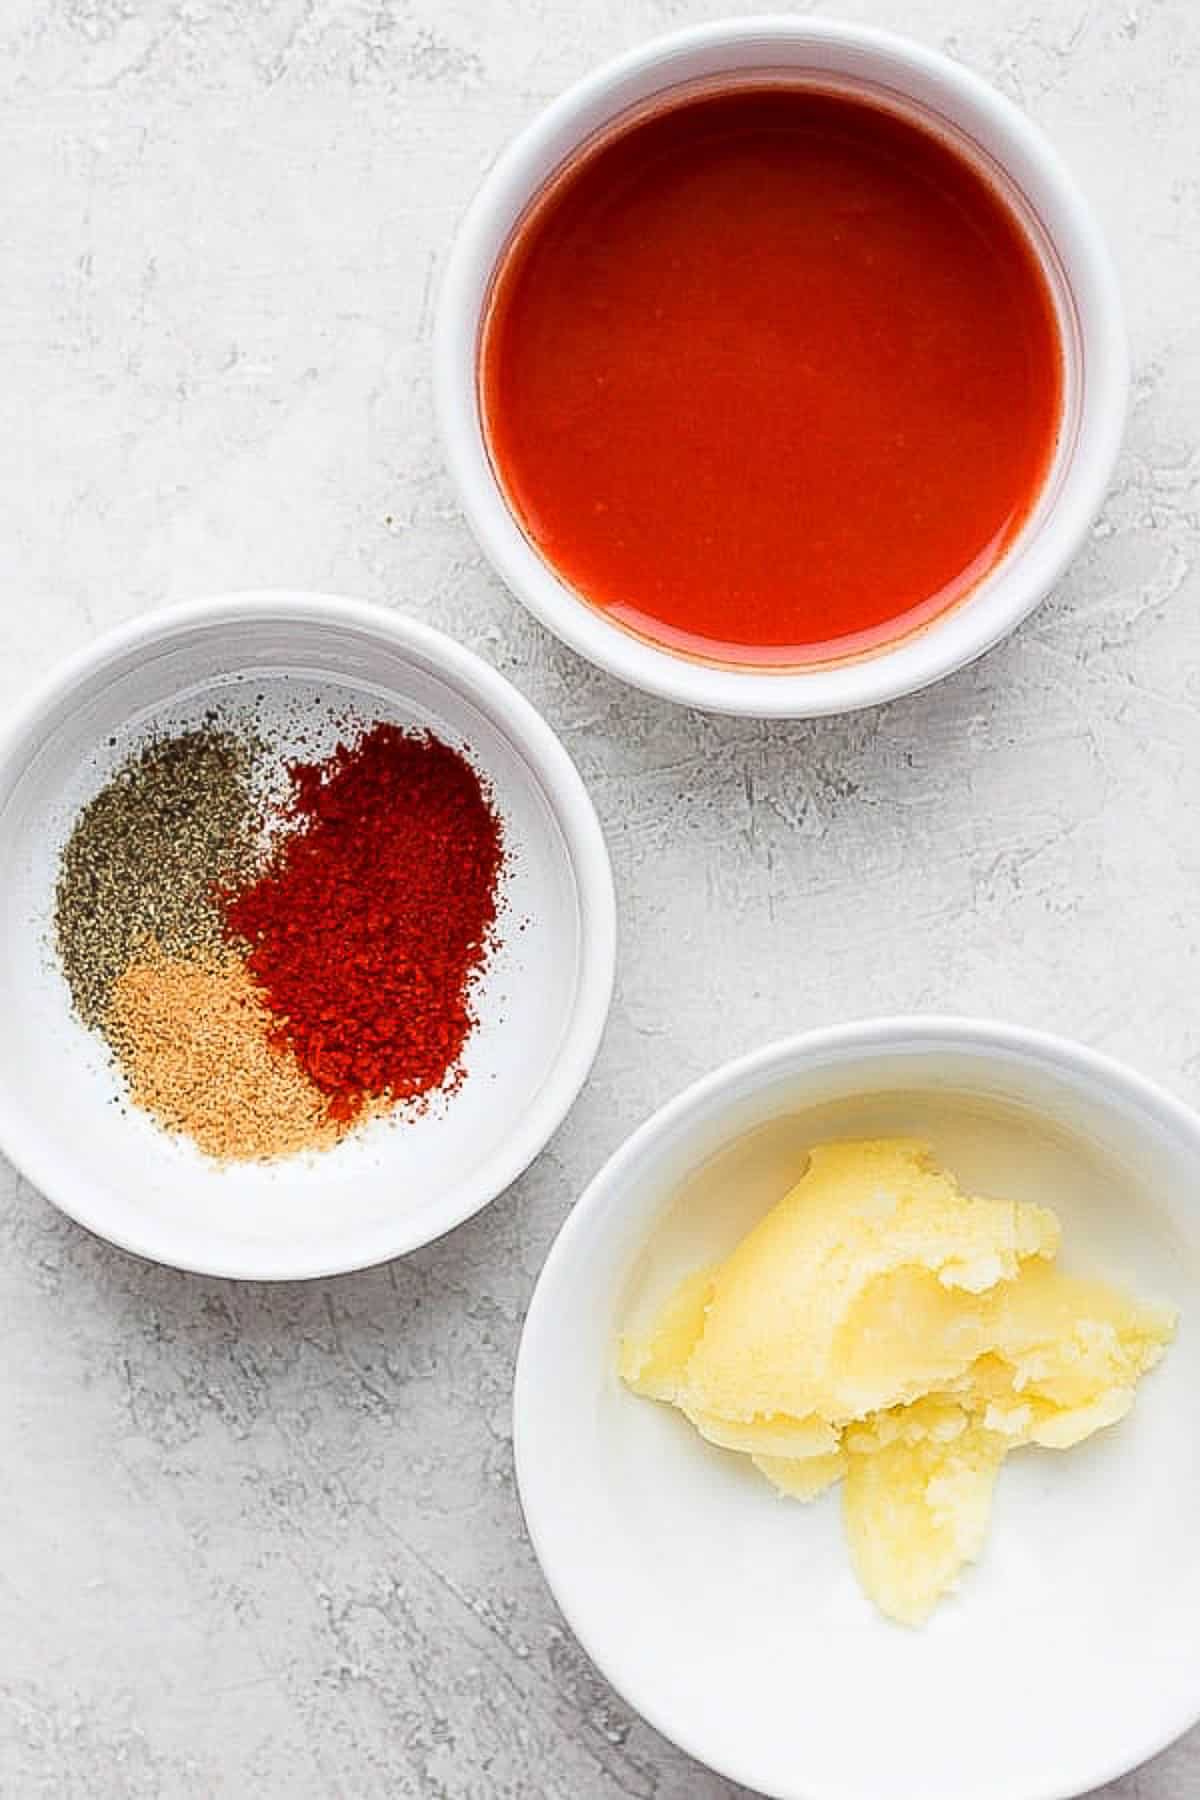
<point>141,863</point>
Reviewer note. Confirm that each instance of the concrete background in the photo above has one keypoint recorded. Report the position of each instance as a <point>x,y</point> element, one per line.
<point>266,1541</point>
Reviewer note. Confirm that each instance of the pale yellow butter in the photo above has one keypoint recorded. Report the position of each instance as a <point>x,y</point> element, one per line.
<point>880,1326</point>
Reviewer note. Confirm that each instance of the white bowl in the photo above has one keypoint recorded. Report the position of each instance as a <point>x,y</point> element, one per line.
<point>542,1005</point>
<point>730,1618</point>
<point>1015,155</point>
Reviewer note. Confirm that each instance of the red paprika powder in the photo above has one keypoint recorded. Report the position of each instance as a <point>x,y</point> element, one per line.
<point>373,915</point>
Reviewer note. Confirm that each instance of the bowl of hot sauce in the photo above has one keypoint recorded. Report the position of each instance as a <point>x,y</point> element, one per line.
<point>780,367</point>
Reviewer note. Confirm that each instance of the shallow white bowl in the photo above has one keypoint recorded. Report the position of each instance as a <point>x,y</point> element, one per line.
<point>1016,157</point>
<point>730,1617</point>
<point>541,1006</point>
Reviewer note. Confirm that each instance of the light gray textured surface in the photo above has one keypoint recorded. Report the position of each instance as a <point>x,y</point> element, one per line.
<point>266,1541</point>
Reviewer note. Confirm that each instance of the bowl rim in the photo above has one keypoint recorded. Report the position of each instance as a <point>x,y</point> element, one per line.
<point>812,1049</point>
<point>551,766</point>
<point>956,637</point>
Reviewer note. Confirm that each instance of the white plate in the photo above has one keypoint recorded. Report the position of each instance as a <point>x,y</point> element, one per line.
<point>730,1617</point>
<point>542,1003</point>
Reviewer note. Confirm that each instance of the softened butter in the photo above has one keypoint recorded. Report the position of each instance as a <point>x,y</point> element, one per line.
<point>881,1328</point>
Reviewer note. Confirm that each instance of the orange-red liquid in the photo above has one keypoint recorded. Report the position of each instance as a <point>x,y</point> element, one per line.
<point>771,376</point>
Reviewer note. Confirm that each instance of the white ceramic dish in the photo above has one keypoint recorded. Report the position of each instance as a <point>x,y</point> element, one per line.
<point>731,1618</point>
<point>541,1006</point>
<point>1015,156</point>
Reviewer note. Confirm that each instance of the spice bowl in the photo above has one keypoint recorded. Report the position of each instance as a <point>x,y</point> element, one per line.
<point>731,1617</point>
<point>305,664</point>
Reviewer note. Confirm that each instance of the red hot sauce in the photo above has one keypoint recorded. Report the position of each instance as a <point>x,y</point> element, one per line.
<point>771,376</point>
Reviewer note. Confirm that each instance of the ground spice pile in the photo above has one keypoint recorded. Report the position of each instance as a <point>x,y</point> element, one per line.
<point>194,1038</point>
<point>145,856</point>
<point>266,983</point>
<point>367,927</point>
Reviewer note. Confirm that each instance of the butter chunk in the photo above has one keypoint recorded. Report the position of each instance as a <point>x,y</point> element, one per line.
<point>773,1340</point>
<point>916,1511</point>
<point>778,1435</point>
<point>882,1329</point>
<point>1068,1340</point>
<point>655,1364</point>
<point>803,1478</point>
